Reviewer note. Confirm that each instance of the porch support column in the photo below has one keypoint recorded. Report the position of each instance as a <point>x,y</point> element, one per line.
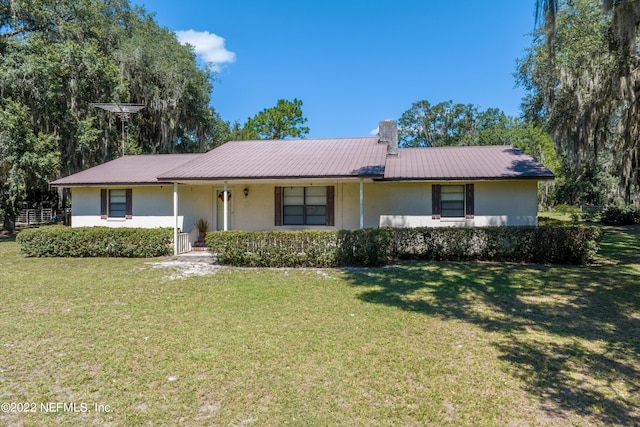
<point>361,203</point>
<point>175,218</point>
<point>225,202</point>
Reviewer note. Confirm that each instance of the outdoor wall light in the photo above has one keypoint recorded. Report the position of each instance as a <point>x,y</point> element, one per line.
<point>245,191</point>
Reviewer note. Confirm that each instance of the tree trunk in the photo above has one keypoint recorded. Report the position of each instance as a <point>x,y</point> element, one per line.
<point>9,223</point>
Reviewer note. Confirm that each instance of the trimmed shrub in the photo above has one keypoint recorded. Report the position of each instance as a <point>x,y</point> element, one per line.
<point>61,241</point>
<point>365,247</point>
<point>275,248</point>
<point>369,247</point>
<point>377,246</point>
<point>614,215</point>
<point>544,245</point>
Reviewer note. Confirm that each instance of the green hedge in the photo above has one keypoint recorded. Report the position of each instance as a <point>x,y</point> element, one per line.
<point>615,215</point>
<point>543,244</point>
<point>61,241</point>
<point>367,247</point>
<point>376,246</point>
<point>274,248</point>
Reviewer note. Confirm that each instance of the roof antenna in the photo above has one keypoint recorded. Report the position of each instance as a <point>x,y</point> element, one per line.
<point>122,110</point>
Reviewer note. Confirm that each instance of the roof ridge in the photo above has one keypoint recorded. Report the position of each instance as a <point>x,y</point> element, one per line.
<point>302,139</point>
<point>462,146</point>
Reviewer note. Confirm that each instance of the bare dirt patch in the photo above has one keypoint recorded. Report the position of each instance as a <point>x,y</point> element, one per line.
<point>184,269</point>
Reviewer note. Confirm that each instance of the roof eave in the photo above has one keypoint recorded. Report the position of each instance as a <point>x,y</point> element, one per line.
<point>271,178</point>
<point>106,184</point>
<point>471,178</point>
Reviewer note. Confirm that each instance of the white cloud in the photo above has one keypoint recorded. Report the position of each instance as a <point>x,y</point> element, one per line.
<point>208,46</point>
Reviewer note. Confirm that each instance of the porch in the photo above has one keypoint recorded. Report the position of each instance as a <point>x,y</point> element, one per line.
<point>259,205</point>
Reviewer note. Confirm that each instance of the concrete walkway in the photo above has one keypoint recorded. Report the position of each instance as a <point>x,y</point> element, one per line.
<point>195,256</point>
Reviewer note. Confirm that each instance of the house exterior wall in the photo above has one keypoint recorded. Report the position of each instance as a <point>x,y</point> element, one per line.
<point>496,203</point>
<point>194,203</point>
<point>392,204</point>
<point>152,207</point>
<point>256,212</point>
<point>405,203</point>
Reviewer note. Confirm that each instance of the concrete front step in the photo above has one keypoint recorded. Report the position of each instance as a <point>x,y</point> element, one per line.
<point>196,256</point>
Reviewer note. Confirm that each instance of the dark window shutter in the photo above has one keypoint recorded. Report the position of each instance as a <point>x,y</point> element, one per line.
<point>469,203</point>
<point>436,206</point>
<point>103,204</point>
<point>278,206</point>
<point>128,213</point>
<point>331,206</point>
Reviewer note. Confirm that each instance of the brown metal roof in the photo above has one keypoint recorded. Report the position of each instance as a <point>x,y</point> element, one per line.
<point>315,158</point>
<point>469,162</point>
<point>142,169</point>
<point>273,159</point>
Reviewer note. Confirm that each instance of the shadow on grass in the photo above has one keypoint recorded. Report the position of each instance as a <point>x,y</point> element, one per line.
<point>622,245</point>
<point>571,333</point>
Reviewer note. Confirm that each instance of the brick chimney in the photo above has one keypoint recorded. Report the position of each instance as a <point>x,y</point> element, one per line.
<point>388,132</point>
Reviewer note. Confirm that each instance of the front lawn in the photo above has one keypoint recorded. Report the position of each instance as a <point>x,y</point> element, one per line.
<point>149,342</point>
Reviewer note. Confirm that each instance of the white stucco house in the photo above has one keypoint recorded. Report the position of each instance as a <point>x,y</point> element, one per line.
<point>342,183</point>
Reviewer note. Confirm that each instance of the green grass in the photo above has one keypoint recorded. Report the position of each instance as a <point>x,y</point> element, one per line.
<point>412,344</point>
<point>554,218</point>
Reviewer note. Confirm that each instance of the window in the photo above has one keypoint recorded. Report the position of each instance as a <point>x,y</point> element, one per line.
<point>116,203</point>
<point>452,201</point>
<point>304,205</point>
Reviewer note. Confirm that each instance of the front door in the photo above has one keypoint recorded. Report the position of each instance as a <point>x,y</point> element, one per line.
<point>220,210</point>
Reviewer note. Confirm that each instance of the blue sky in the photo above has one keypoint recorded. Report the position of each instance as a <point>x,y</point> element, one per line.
<point>352,62</point>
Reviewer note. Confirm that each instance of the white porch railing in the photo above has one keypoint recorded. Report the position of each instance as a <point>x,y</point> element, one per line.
<point>34,216</point>
<point>184,243</point>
